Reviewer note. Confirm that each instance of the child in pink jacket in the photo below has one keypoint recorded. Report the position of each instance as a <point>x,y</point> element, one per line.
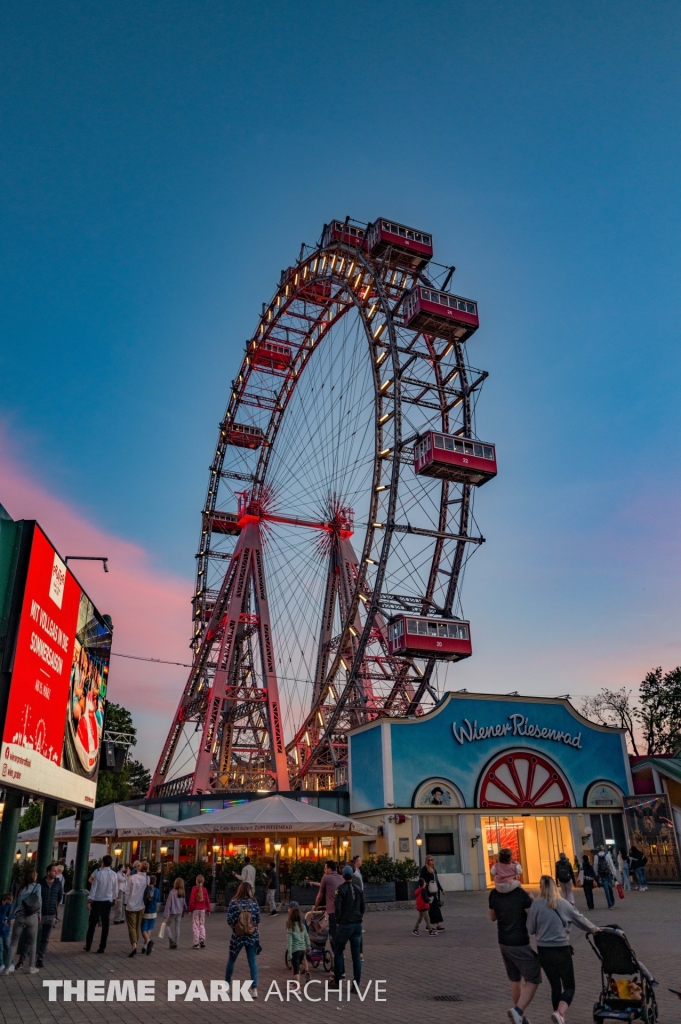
<point>199,906</point>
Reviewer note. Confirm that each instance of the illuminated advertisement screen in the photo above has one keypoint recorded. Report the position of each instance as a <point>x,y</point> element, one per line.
<point>55,713</point>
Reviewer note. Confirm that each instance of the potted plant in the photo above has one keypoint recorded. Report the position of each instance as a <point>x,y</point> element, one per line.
<point>303,874</point>
<point>378,875</point>
<point>406,876</point>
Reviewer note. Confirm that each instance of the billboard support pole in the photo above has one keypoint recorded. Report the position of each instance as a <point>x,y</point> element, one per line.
<point>74,928</point>
<point>48,823</point>
<point>8,836</point>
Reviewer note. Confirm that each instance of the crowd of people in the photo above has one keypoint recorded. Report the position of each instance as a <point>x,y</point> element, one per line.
<point>27,919</point>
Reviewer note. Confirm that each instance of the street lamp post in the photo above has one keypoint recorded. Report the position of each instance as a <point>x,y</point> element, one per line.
<point>419,844</point>
<point>277,884</point>
<point>163,851</point>
<point>213,888</point>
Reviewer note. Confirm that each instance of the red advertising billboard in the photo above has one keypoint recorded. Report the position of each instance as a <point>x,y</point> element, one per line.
<point>55,712</point>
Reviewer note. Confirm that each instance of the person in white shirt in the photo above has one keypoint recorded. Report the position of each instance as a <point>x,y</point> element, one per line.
<point>134,903</point>
<point>103,893</point>
<point>356,873</point>
<point>247,873</point>
<point>119,912</point>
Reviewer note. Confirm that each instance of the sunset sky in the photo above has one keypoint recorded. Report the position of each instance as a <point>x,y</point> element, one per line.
<point>163,161</point>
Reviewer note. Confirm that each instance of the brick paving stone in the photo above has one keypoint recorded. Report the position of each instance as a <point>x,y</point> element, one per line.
<point>464,961</point>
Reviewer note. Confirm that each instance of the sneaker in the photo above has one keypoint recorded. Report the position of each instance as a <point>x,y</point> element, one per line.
<point>203,944</point>
<point>2,971</point>
<point>39,963</point>
<point>34,970</point>
<point>414,931</point>
<point>515,1015</point>
<point>96,951</point>
<point>132,952</point>
<point>273,913</point>
<point>557,1017</point>
<point>196,946</point>
<point>11,969</point>
<point>254,993</point>
<point>433,931</point>
<point>150,946</point>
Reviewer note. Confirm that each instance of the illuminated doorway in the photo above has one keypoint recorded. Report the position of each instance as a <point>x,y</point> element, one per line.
<point>535,841</point>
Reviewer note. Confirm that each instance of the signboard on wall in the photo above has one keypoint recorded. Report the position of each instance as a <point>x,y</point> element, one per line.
<point>651,829</point>
<point>52,734</point>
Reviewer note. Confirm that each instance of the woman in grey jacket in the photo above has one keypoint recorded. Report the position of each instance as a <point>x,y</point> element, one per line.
<point>549,919</point>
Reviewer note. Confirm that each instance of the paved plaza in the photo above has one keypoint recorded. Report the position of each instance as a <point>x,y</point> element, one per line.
<point>462,964</point>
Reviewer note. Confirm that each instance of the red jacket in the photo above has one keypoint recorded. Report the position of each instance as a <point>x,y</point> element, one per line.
<point>422,901</point>
<point>195,903</point>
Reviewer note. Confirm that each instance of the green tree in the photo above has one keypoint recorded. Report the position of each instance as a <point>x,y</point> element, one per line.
<point>134,779</point>
<point>659,711</point>
<point>31,817</point>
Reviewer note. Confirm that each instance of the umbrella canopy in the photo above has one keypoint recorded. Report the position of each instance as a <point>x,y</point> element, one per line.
<point>114,821</point>
<point>273,814</point>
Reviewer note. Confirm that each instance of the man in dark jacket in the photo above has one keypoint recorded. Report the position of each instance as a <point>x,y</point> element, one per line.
<point>349,914</point>
<point>52,888</point>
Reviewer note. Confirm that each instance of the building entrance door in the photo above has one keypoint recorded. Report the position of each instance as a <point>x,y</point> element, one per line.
<point>535,841</point>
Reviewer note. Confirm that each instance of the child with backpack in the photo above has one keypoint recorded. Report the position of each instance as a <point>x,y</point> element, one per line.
<point>243,917</point>
<point>199,906</point>
<point>506,872</point>
<point>423,901</point>
<point>565,877</point>
<point>152,898</point>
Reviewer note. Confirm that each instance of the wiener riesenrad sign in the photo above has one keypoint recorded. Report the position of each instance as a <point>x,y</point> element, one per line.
<point>517,725</point>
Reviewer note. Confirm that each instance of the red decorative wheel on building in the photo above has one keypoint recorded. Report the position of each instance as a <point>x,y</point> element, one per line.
<point>523,779</point>
<point>318,527</point>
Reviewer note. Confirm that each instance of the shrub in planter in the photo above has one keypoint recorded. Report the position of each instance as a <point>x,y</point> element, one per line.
<point>406,870</point>
<point>188,872</point>
<point>301,870</point>
<point>377,870</point>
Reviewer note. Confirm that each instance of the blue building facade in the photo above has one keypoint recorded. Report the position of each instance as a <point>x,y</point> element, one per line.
<point>483,771</point>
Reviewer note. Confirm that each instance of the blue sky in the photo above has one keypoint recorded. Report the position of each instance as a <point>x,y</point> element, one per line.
<point>161,162</point>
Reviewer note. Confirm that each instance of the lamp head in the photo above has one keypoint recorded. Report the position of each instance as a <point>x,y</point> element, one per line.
<point>419,840</point>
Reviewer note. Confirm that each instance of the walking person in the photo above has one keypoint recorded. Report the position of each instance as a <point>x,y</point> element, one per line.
<point>243,917</point>
<point>135,888</point>
<point>51,888</point>
<point>509,910</point>
<point>119,908</point>
<point>637,862</point>
<point>152,898</point>
<point>5,911</point>
<point>103,893</point>
<point>357,872</point>
<point>565,877</point>
<point>271,891</point>
<point>59,868</point>
<point>605,873</point>
<point>25,914</point>
<point>549,920</point>
<point>174,909</point>
<point>297,938</point>
<point>199,906</point>
<point>429,873</point>
<point>247,873</point>
<point>623,865</point>
<point>326,897</point>
<point>587,878</point>
<point>349,914</point>
<point>423,901</point>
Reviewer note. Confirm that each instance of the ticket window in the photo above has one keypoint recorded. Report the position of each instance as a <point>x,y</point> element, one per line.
<point>535,841</point>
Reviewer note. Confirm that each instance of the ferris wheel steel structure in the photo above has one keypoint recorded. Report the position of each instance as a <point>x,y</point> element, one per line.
<point>291,588</point>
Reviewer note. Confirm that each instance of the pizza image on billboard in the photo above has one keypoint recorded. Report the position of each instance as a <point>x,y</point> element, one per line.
<point>87,692</point>
<point>52,734</point>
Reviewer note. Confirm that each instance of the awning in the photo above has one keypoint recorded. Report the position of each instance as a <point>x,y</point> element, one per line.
<point>114,821</point>
<point>273,815</point>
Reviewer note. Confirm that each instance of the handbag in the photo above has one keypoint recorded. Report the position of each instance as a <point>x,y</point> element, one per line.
<point>162,930</point>
<point>620,890</point>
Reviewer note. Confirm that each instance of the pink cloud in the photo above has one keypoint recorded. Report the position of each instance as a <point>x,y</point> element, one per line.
<point>149,606</point>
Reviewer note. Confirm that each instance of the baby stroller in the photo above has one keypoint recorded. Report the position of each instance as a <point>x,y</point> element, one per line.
<point>317,923</point>
<point>630,998</point>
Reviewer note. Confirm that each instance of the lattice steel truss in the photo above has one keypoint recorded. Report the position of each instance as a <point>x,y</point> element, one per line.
<point>326,505</point>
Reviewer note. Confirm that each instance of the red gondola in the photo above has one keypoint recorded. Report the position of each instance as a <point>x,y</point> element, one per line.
<point>272,355</point>
<point>418,637</point>
<point>440,314</point>
<point>339,231</point>
<point>455,458</point>
<point>244,436</point>
<point>403,246</point>
<point>225,522</point>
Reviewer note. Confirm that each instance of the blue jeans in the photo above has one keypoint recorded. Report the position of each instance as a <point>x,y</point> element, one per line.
<point>252,963</point>
<point>607,889</point>
<point>641,876</point>
<point>626,876</point>
<point>353,934</point>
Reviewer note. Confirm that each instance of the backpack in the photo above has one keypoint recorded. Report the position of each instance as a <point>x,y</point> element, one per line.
<point>149,896</point>
<point>602,869</point>
<point>563,871</point>
<point>30,904</point>
<point>244,924</point>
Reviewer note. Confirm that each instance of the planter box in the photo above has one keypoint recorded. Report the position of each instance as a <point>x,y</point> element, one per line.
<point>405,890</point>
<point>384,893</point>
<point>304,894</point>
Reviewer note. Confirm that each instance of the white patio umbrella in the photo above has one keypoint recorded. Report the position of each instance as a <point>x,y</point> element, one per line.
<point>113,821</point>
<point>272,814</point>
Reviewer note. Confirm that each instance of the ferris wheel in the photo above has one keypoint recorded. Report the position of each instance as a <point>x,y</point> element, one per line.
<point>338,520</point>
